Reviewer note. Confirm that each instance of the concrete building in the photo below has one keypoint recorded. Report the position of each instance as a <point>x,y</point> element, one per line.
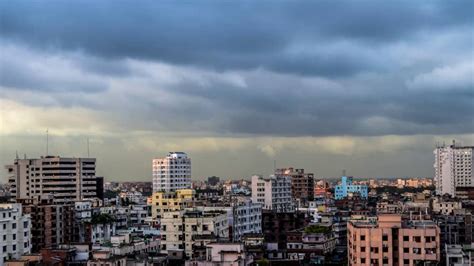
<point>393,241</point>
<point>302,184</point>
<point>455,256</point>
<point>453,168</point>
<point>66,179</point>
<point>106,258</point>
<point>347,188</point>
<point>172,172</point>
<point>162,201</point>
<point>51,223</point>
<point>188,230</point>
<point>274,193</point>
<point>15,235</point>
<point>247,219</point>
<point>223,253</point>
<point>441,206</point>
<point>138,214</point>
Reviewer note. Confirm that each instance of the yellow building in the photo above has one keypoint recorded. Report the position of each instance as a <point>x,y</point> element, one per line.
<point>162,202</point>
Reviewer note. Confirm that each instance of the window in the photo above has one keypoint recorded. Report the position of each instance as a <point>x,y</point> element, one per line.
<point>406,250</point>
<point>406,262</point>
<point>205,227</point>
<point>385,261</point>
<point>362,260</point>
<point>385,238</point>
<point>362,249</point>
<point>406,238</point>
<point>362,237</point>
<point>385,249</point>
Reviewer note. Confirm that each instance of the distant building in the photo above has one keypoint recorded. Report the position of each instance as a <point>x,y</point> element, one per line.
<point>15,235</point>
<point>347,187</point>
<point>172,172</point>
<point>224,253</point>
<point>66,179</point>
<point>453,168</point>
<point>393,241</point>
<point>302,184</point>
<point>274,193</point>
<point>213,180</point>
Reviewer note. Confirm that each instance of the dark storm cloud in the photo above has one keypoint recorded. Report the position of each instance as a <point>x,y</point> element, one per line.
<point>230,35</point>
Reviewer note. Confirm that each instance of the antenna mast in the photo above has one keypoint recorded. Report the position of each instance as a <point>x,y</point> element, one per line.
<point>88,154</point>
<point>47,142</point>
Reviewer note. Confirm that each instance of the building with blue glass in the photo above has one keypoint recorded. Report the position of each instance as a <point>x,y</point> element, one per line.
<point>346,187</point>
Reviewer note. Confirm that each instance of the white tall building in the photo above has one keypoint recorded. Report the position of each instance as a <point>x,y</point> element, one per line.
<point>15,232</point>
<point>453,168</point>
<point>172,172</point>
<point>247,219</point>
<point>274,192</point>
<point>65,179</point>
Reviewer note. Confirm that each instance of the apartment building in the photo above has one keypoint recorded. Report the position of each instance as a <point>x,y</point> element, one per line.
<point>66,179</point>
<point>453,168</point>
<point>302,184</point>
<point>15,235</point>
<point>393,241</point>
<point>51,223</point>
<point>348,188</point>
<point>274,193</point>
<point>442,206</point>
<point>188,230</point>
<point>162,201</point>
<point>247,219</point>
<point>172,172</point>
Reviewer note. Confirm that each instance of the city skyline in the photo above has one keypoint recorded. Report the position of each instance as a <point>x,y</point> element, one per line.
<point>311,85</point>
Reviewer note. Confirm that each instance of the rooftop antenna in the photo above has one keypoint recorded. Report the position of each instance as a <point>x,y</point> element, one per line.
<point>17,155</point>
<point>47,142</point>
<point>343,172</point>
<point>274,166</point>
<point>88,153</point>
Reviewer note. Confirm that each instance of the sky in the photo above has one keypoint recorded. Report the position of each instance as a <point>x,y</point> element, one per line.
<point>366,86</point>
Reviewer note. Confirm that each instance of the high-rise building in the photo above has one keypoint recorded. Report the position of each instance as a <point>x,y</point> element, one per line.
<point>302,184</point>
<point>393,241</point>
<point>247,219</point>
<point>15,235</point>
<point>453,168</point>
<point>172,172</point>
<point>66,179</point>
<point>274,192</point>
<point>347,188</point>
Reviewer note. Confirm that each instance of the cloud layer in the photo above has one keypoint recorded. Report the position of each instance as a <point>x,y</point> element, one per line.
<point>342,75</point>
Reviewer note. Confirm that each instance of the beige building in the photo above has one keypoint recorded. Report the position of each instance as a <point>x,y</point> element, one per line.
<point>188,230</point>
<point>393,241</point>
<point>447,207</point>
<point>172,172</point>
<point>274,193</point>
<point>162,202</point>
<point>227,253</point>
<point>65,179</point>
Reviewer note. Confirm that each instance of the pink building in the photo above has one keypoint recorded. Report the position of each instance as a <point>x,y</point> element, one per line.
<point>393,241</point>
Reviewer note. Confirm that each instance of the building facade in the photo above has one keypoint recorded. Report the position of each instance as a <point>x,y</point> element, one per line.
<point>274,193</point>
<point>162,201</point>
<point>302,184</point>
<point>172,172</point>
<point>453,168</point>
<point>247,219</point>
<point>15,235</point>
<point>346,188</point>
<point>66,179</point>
<point>393,241</point>
<point>186,231</point>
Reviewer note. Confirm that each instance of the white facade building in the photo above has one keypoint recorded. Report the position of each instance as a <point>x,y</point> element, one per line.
<point>453,168</point>
<point>66,179</point>
<point>172,172</point>
<point>247,219</point>
<point>15,232</point>
<point>274,192</point>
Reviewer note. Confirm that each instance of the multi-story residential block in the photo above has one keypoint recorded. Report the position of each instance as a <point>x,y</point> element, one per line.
<point>185,231</point>
<point>456,228</point>
<point>442,206</point>
<point>15,235</point>
<point>51,223</point>
<point>308,243</point>
<point>247,219</point>
<point>274,193</point>
<point>162,201</point>
<point>82,218</point>
<point>138,214</point>
<point>302,184</point>
<point>275,226</point>
<point>453,168</point>
<point>346,188</point>
<point>66,179</point>
<point>223,253</point>
<point>172,172</point>
<point>393,241</point>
